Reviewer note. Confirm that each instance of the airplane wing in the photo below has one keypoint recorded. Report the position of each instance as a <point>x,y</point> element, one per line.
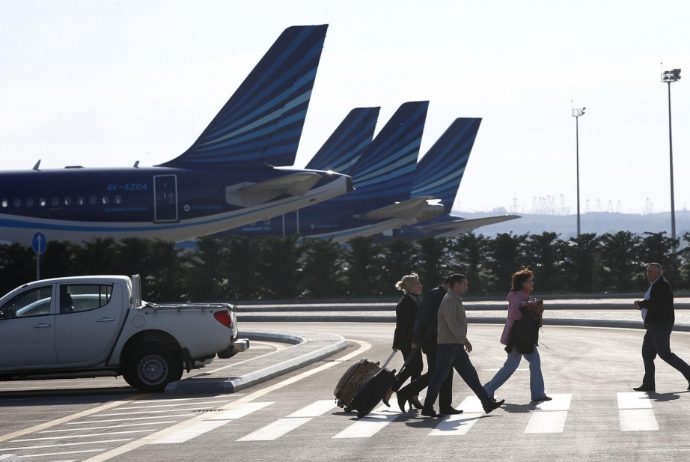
<point>459,226</point>
<point>407,209</point>
<point>249,194</point>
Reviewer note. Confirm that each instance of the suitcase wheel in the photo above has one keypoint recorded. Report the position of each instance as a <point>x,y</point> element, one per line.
<point>360,414</point>
<point>347,409</point>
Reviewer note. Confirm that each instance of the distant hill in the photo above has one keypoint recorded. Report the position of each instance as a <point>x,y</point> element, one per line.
<point>592,222</point>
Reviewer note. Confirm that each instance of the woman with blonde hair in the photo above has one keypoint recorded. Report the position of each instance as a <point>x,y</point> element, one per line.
<point>521,305</point>
<point>405,316</point>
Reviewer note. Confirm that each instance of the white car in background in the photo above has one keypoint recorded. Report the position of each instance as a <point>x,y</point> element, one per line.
<point>92,326</point>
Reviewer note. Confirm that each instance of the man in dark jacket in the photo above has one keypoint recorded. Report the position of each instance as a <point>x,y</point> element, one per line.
<point>657,313</point>
<point>425,334</point>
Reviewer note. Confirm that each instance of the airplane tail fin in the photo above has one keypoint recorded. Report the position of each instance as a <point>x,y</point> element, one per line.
<point>386,168</point>
<point>440,171</point>
<point>344,147</point>
<point>262,122</point>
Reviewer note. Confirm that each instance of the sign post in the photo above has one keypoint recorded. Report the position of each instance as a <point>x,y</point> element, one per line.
<point>39,244</point>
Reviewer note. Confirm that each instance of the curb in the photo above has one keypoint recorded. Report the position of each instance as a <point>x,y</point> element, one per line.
<point>470,320</point>
<point>239,383</point>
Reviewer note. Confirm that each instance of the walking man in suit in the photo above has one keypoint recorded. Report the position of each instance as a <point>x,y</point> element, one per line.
<point>452,343</point>
<point>426,334</point>
<point>657,313</point>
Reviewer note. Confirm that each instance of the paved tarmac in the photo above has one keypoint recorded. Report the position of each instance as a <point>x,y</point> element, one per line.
<point>590,373</point>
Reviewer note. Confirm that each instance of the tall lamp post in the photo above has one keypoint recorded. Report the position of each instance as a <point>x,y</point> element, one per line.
<point>669,77</point>
<point>577,113</point>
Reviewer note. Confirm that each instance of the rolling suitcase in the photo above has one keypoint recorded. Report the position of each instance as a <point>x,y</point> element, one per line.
<point>352,380</point>
<point>373,391</point>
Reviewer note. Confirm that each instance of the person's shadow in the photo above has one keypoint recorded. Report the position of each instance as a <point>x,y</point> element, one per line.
<point>666,396</point>
<point>519,408</point>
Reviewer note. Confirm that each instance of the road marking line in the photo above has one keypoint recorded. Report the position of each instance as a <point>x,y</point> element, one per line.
<point>157,411</point>
<point>62,453</point>
<point>283,426</point>
<point>238,413</point>
<point>557,403</point>
<point>83,436</point>
<point>186,434</point>
<point>635,412</point>
<point>133,418</point>
<point>363,346</point>
<point>175,405</point>
<point>62,444</point>
<point>276,429</point>
<point>78,415</point>
<point>472,405</point>
<point>637,420</point>
<point>550,416</point>
<point>111,426</point>
<point>634,400</point>
<point>547,422</point>
<point>315,409</point>
<point>370,425</point>
<point>460,424</point>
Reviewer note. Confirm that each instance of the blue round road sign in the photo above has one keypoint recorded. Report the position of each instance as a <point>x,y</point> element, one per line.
<point>39,243</point>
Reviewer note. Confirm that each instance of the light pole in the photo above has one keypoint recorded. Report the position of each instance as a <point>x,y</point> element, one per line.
<point>577,113</point>
<point>669,77</point>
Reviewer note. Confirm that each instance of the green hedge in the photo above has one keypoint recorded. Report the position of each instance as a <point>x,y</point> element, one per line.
<point>270,268</point>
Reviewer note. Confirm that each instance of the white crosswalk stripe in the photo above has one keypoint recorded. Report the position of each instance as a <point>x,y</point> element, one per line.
<point>460,424</point>
<point>281,427</point>
<point>370,425</point>
<point>635,412</point>
<point>211,423</point>
<point>550,416</point>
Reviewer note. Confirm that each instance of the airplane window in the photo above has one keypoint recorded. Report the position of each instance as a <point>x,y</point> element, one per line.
<point>42,201</point>
<point>106,199</point>
<point>5,203</point>
<point>68,200</point>
<point>55,201</point>
<point>30,202</point>
<point>17,202</point>
<point>92,200</point>
<point>80,200</point>
<point>118,199</point>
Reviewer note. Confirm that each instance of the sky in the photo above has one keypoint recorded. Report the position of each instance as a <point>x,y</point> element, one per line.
<point>107,83</point>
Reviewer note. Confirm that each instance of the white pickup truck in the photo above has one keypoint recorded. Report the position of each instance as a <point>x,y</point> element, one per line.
<point>93,326</point>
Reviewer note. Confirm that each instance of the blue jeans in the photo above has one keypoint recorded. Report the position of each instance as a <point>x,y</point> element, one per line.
<point>657,341</point>
<point>452,355</point>
<point>536,380</point>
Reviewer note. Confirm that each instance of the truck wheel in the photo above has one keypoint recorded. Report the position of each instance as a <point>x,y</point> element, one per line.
<point>152,368</point>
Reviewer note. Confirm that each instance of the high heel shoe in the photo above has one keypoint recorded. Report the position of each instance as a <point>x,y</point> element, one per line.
<point>386,398</point>
<point>414,402</point>
<point>401,403</point>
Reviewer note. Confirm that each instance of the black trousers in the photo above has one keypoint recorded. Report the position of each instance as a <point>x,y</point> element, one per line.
<point>657,341</point>
<point>430,349</point>
<point>413,369</point>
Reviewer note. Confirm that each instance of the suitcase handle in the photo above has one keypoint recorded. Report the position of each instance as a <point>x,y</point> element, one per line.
<point>389,358</point>
<point>408,359</point>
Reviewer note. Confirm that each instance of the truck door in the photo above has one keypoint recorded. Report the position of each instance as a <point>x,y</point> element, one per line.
<point>27,329</point>
<point>165,197</point>
<point>88,323</point>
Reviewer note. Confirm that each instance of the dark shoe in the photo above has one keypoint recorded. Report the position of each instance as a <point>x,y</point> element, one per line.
<point>450,411</point>
<point>386,397</point>
<point>430,413</point>
<point>647,388</point>
<point>543,398</point>
<point>688,386</point>
<point>401,402</point>
<point>414,402</point>
<point>493,405</point>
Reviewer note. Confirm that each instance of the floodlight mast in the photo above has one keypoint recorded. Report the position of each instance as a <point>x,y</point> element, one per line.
<point>577,113</point>
<point>670,77</point>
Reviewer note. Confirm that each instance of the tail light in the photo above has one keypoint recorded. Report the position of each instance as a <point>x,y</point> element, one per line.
<point>223,317</point>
